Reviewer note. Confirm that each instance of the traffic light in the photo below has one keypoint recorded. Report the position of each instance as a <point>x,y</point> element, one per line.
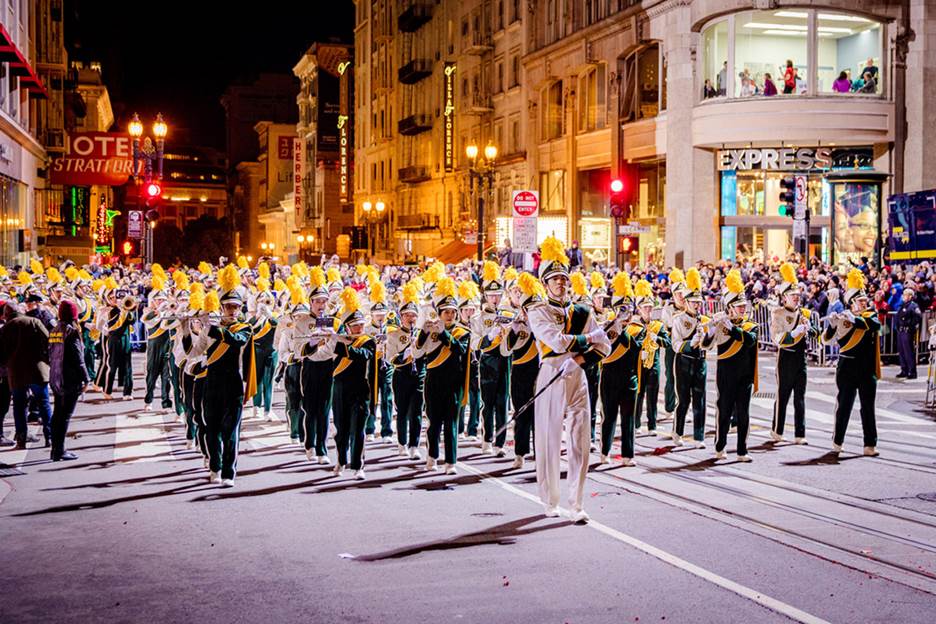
<point>127,248</point>
<point>153,190</point>
<point>787,197</point>
<point>618,202</point>
<point>629,245</point>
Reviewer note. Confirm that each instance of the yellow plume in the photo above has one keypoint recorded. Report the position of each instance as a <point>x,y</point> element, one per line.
<point>5,273</point>
<point>24,278</point>
<point>418,282</point>
<point>300,269</point>
<point>158,270</point>
<point>468,289</point>
<point>621,285</point>
<point>855,280</point>
<point>490,271</point>
<point>212,301</point>
<point>676,276</point>
<point>693,279</point>
<point>317,277</point>
<point>228,278</point>
<point>445,287</point>
<point>110,283</point>
<point>378,292</point>
<point>36,267</point>
<point>263,270</point>
<point>297,296</point>
<point>333,275</point>
<point>278,285</point>
<point>411,292</point>
<point>552,251</point>
<point>360,269</point>
<point>788,273</point>
<point>597,280</point>
<point>529,285</point>
<point>198,287</point>
<point>53,275</point>
<point>97,284</point>
<point>579,287</point>
<point>643,289</point>
<point>196,301</point>
<point>71,273</point>
<point>349,300</point>
<point>263,284</point>
<point>181,279</point>
<point>157,282</point>
<point>242,263</point>
<point>510,274</point>
<point>733,281</point>
<point>82,274</point>
<point>204,268</point>
<point>434,273</point>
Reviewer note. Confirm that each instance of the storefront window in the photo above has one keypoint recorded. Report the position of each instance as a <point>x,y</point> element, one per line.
<point>849,47</point>
<point>593,192</point>
<point>769,52</point>
<point>12,221</point>
<point>715,60</point>
<point>651,183</point>
<point>552,191</point>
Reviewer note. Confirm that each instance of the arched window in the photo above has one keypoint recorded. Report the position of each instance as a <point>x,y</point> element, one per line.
<point>551,115</point>
<point>593,93</point>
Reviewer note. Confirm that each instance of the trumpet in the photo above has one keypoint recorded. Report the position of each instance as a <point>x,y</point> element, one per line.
<point>128,303</point>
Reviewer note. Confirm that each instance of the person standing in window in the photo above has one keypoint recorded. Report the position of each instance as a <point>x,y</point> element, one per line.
<point>708,91</point>
<point>769,87</point>
<point>721,82</point>
<point>842,84</point>
<point>789,77</point>
<point>869,84</point>
<point>871,68</point>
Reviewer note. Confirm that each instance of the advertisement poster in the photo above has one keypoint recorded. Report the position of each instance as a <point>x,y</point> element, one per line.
<point>855,220</point>
<point>912,224</point>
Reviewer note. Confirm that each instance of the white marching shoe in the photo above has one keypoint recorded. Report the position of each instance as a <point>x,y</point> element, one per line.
<point>370,437</point>
<point>214,477</point>
<point>580,516</point>
<point>517,462</point>
<point>677,439</point>
<point>745,458</point>
<point>719,454</point>
<point>147,407</point>
<point>338,470</point>
<point>836,448</point>
<point>499,452</point>
<point>323,460</point>
<point>699,444</point>
<point>271,416</point>
<point>402,451</point>
<point>551,512</point>
<point>189,445</point>
<point>776,437</point>
<point>310,454</point>
<point>127,397</point>
<point>359,474</point>
<point>871,451</point>
<point>450,469</point>
<point>627,462</point>
<point>386,440</point>
<point>414,453</point>
<point>605,460</point>
<point>486,448</point>
<point>254,412</point>
<point>205,461</point>
<point>431,464</point>
<point>227,483</point>
<point>802,441</point>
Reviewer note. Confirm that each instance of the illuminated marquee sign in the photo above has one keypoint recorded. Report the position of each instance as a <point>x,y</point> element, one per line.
<point>448,115</point>
<point>786,159</point>
<point>104,228</point>
<point>298,154</point>
<point>94,158</point>
<point>343,158</point>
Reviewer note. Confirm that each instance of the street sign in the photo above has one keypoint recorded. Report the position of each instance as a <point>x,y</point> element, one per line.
<point>801,197</point>
<point>633,228</point>
<point>524,234</point>
<point>135,224</point>
<point>799,228</point>
<point>525,203</point>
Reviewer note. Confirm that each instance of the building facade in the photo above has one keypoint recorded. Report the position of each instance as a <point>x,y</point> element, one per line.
<point>701,108</point>
<point>275,211</point>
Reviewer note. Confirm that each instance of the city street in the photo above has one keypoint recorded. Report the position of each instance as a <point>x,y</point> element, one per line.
<point>132,531</point>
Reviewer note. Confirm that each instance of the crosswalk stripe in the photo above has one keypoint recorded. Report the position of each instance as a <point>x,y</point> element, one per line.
<point>141,438</point>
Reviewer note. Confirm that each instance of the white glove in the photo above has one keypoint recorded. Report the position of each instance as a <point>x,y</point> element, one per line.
<point>849,316</point>
<point>568,367</point>
<point>644,356</point>
<point>494,333</point>
<point>798,331</point>
<point>594,335</point>
<point>696,340</point>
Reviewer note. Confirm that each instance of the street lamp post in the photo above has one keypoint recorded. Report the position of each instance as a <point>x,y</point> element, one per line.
<point>149,155</point>
<point>483,170</point>
<point>373,213</point>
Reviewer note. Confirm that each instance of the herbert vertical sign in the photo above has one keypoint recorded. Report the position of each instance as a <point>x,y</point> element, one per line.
<point>525,212</point>
<point>448,117</point>
<point>298,153</point>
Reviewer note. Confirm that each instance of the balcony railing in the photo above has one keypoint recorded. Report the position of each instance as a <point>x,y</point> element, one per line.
<point>415,14</point>
<point>414,124</point>
<point>414,71</point>
<point>413,174</point>
<point>478,104</point>
<point>417,221</point>
<point>479,43</point>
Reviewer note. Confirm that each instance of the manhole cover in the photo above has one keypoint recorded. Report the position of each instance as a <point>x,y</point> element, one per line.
<point>928,496</point>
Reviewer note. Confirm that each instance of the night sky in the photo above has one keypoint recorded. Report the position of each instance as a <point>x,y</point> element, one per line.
<point>177,56</point>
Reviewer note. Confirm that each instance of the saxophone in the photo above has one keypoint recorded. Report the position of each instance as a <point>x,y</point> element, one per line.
<point>650,347</point>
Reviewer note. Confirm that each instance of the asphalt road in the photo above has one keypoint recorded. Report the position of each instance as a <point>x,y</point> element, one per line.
<point>133,532</point>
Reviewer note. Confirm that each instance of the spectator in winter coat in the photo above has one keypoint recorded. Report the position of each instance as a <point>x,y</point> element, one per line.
<point>67,375</point>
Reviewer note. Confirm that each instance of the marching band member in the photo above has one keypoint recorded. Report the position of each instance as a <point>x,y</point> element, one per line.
<point>290,365</point>
<point>619,378</point>
<point>524,362</point>
<point>263,325</point>
<point>487,336</point>
<point>80,281</point>
<point>187,364</point>
<point>409,372</point>
<point>116,321</point>
<point>443,343</point>
<point>600,302</point>
<point>157,345</point>
<point>689,362</point>
<point>653,336</point>
<point>592,373</point>
<point>735,339</point>
<point>790,326</point>
<point>672,307</point>
<point>859,364</point>
<point>317,372</point>
<point>178,305</point>
<point>377,328</point>
<point>230,367</point>
<point>354,381</point>
<point>468,303</point>
<point>569,340</point>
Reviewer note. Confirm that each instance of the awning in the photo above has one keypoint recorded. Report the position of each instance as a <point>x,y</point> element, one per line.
<point>456,251</point>
<point>19,66</point>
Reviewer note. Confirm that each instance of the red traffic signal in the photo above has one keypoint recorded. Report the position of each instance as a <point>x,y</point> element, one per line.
<point>127,248</point>
<point>616,186</point>
<point>153,190</point>
<point>629,244</point>
<point>618,202</point>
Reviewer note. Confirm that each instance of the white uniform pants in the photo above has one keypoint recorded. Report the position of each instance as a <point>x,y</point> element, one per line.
<point>565,400</point>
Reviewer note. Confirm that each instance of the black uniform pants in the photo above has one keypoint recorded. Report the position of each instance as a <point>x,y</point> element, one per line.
<point>350,406</point>
<point>385,402</point>
<point>853,378</point>
<point>669,389</point>
<point>222,408</point>
<point>592,377</point>
<point>157,367</point>
<point>474,403</point>
<point>442,407</point>
<point>690,371</point>
<point>316,381</point>
<point>118,364</point>
<point>408,397</point>
<point>62,412</point>
<point>618,400</point>
<point>192,391</point>
<point>649,392</point>
<point>522,389</point>
<point>495,380</point>
<point>292,382</point>
<point>733,405</point>
<point>791,379</point>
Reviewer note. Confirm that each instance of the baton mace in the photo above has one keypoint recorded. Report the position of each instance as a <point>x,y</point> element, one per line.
<point>526,405</point>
